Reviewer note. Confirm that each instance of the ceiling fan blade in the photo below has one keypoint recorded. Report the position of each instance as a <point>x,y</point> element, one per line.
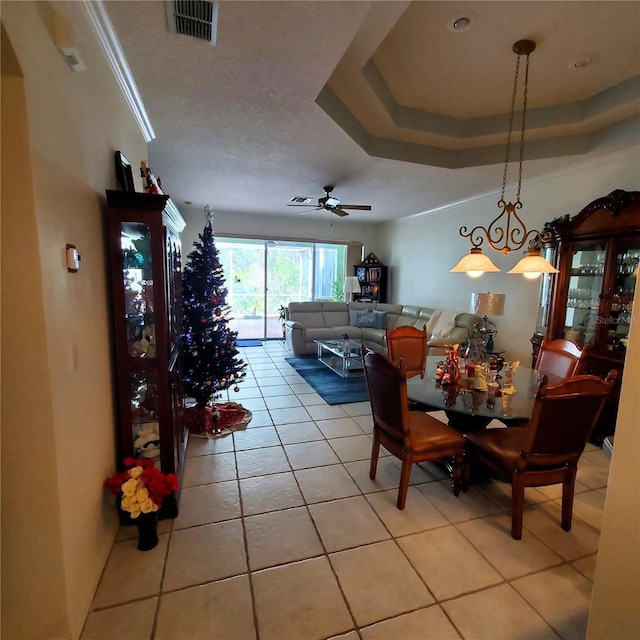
<point>338,211</point>
<point>302,205</point>
<point>360,207</point>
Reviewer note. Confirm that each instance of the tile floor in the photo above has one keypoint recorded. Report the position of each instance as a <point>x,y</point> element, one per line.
<point>282,535</point>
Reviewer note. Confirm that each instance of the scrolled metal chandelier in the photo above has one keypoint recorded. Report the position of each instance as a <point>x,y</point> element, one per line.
<point>507,232</point>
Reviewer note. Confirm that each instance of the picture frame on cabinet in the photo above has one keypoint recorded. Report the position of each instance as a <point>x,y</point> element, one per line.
<point>124,173</point>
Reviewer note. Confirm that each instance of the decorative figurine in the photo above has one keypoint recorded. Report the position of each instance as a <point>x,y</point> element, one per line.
<point>479,379</point>
<point>150,183</point>
<point>509,369</point>
<point>451,372</point>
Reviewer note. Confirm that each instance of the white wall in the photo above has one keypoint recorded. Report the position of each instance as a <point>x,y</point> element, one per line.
<point>614,609</point>
<point>298,228</point>
<point>421,250</point>
<point>58,437</point>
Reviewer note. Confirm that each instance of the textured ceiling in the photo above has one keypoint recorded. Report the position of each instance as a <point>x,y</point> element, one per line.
<point>381,99</point>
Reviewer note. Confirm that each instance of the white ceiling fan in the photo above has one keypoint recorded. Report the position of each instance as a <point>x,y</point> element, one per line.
<point>327,202</point>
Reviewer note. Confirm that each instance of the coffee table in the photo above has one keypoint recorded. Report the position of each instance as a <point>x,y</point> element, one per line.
<point>344,362</point>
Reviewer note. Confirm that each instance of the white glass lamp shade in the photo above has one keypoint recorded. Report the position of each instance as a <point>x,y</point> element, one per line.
<point>475,264</point>
<point>487,304</point>
<point>532,265</point>
<point>351,286</point>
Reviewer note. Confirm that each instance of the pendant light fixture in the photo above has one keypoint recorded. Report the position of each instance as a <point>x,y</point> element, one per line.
<point>507,232</point>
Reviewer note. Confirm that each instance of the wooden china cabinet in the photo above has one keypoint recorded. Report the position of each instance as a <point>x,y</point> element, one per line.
<point>145,264</point>
<point>590,300</point>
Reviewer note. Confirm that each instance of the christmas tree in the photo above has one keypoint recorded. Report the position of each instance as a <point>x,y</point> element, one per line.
<point>211,362</point>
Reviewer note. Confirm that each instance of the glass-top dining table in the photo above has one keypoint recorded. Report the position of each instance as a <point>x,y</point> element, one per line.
<point>468,409</point>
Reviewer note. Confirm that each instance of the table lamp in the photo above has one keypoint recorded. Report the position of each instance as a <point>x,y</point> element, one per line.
<point>486,304</point>
<point>351,286</point>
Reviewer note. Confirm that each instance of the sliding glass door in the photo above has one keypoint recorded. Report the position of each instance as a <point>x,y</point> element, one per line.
<point>330,270</point>
<point>264,275</point>
<point>243,262</point>
<point>289,271</point>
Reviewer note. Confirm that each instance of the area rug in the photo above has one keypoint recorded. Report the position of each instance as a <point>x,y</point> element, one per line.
<point>249,343</point>
<point>329,385</point>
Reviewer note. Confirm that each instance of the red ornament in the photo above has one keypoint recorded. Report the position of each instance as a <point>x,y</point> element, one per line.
<point>218,313</point>
<point>203,320</point>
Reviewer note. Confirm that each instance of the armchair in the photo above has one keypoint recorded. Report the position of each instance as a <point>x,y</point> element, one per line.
<point>560,359</point>
<point>547,450</point>
<point>411,436</point>
<point>409,344</point>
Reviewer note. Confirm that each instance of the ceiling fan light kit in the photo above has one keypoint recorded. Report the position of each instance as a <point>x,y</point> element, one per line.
<point>507,232</point>
<point>330,202</point>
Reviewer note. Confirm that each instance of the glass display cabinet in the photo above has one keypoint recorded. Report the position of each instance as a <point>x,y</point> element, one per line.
<point>590,300</point>
<point>547,282</point>
<point>145,263</point>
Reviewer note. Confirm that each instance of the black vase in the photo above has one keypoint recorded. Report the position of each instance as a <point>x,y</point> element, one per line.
<point>147,524</point>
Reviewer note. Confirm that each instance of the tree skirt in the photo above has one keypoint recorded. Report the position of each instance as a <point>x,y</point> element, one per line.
<point>217,420</point>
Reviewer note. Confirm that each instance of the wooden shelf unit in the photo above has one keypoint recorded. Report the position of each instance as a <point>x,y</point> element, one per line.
<point>372,276</point>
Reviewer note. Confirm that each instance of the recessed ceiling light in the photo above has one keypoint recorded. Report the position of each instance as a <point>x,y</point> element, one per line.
<point>461,21</point>
<point>582,62</point>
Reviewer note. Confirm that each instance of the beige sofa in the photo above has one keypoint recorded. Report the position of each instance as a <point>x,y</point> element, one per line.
<point>306,322</point>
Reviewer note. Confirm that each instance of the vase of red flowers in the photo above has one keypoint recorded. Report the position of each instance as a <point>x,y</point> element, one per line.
<point>141,488</point>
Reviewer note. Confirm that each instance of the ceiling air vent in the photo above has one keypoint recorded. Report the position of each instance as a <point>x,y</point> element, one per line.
<point>301,199</point>
<point>196,18</point>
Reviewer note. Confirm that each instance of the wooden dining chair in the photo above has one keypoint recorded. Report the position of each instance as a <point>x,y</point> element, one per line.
<point>411,436</point>
<point>560,359</point>
<point>547,450</point>
<point>410,344</point>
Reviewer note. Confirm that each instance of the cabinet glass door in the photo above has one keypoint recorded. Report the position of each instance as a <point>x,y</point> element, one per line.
<point>617,312</point>
<point>546,292</point>
<point>145,424</point>
<point>137,279</point>
<point>585,289</point>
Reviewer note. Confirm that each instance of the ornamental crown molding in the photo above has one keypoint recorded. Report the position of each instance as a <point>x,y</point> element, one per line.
<point>106,34</point>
